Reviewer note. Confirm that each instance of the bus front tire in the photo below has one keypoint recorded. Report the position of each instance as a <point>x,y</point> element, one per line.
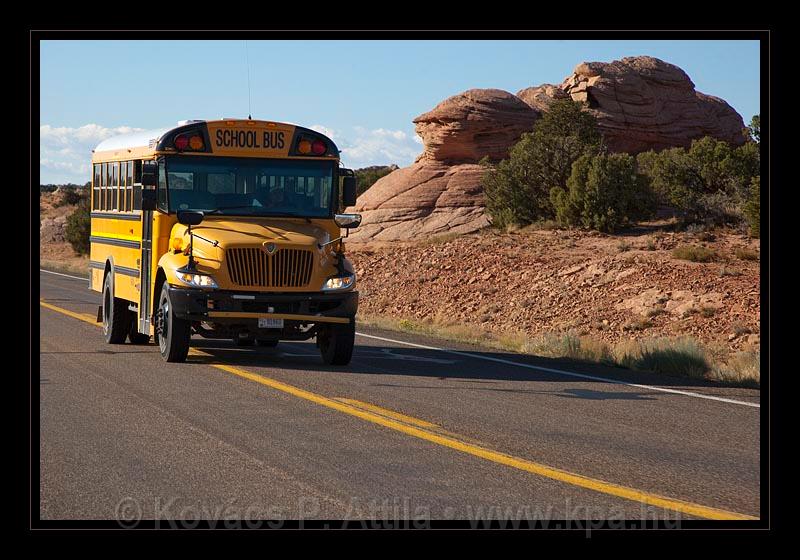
<point>172,333</point>
<point>336,343</point>
<point>115,314</point>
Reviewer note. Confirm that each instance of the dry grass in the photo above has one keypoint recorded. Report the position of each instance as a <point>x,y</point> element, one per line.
<point>677,357</point>
<point>694,253</point>
<point>77,269</point>
<point>745,254</point>
<point>742,369</point>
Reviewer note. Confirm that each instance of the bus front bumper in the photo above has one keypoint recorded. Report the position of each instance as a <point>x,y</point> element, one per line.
<point>238,307</point>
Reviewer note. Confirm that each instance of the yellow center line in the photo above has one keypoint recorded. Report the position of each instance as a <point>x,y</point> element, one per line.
<point>352,408</point>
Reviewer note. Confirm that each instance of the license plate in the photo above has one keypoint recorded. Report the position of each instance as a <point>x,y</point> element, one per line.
<point>270,323</point>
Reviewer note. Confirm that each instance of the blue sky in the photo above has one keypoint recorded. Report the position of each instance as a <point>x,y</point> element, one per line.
<point>363,93</point>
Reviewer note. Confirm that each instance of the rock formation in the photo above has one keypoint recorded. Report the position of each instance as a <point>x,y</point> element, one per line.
<point>441,192</point>
<point>641,103</point>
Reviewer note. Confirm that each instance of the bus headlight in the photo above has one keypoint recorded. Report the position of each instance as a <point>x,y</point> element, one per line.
<point>339,282</point>
<point>197,280</point>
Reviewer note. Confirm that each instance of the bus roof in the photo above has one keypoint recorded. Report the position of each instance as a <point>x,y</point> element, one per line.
<point>145,143</point>
<point>140,139</point>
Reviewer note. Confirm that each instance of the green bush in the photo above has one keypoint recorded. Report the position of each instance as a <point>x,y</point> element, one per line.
<point>78,227</point>
<point>752,207</point>
<point>518,188</point>
<point>707,183</point>
<point>367,176</point>
<point>604,192</point>
<point>71,197</point>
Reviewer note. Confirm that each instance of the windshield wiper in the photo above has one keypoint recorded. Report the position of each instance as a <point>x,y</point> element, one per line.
<point>215,210</point>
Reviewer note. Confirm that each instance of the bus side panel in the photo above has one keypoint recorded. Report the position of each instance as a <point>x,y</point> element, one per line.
<point>118,240</point>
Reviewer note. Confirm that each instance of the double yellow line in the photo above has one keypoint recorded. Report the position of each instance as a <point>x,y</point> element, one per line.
<point>427,431</point>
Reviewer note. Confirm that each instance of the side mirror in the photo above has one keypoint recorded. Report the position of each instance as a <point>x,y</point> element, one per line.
<point>347,221</point>
<point>149,173</point>
<point>148,197</point>
<point>190,217</point>
<point>348,191</point>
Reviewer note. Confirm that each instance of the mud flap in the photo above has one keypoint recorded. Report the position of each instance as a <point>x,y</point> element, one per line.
<point>99,313</point>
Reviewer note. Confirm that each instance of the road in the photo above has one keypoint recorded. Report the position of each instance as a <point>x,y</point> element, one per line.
<point>413,428</point>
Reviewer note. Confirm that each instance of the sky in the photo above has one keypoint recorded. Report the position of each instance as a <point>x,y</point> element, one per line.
<point>364,94</point>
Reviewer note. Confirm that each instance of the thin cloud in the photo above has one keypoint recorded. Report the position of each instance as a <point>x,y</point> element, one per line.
<point>65,153</point>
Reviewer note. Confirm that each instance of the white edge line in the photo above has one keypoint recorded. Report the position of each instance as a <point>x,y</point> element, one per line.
<point>528,366</point>
<point>67,275</point>
<point>562,372</point>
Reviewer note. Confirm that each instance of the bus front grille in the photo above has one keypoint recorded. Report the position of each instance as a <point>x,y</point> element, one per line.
<point>287,268</point>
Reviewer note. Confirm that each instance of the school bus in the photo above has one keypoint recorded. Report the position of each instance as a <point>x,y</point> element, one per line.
<point>226,229</point>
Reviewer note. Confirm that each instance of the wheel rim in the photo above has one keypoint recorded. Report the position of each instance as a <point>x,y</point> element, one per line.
<point>162,323</point>
<point>106,309</point>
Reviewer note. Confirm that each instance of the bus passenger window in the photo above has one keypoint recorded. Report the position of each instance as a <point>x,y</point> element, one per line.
<point>137,190</point>
<point>114,185</point>
<point>96,188</point>
<point>103,186</point>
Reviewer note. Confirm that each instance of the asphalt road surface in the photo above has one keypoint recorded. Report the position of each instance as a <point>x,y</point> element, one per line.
<point>413,428</point>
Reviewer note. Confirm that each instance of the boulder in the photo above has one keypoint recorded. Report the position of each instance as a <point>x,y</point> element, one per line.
<point>52,230</point>
<point>644,103</point>
<point>540,97</point>
<point>476,123</point>
<point>425,199</point>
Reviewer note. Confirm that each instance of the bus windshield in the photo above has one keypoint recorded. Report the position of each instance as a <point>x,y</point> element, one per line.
<point>233,186</point>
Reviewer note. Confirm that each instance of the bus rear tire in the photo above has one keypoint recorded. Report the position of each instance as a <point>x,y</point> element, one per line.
<point>172,333</point>
<point>115,314</point>
<point>336,343</point>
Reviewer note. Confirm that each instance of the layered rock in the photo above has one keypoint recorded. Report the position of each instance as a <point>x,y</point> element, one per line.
<point>540,97</point>
<point>442,192</point>
<point>643,103</point>
<point>473,124</point>
<point>425,199</point>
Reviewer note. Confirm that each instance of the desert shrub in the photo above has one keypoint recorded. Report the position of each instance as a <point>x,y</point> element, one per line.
<point>604,192</point>
<point>745,254</point>
<point>752,207</point>
<point>367,176</point>
<point>78,227</point>
<point>679,357</point>
<point>71,197</point>
<point>518,188</point>
<point>694,253</point>
<point>707,183</point>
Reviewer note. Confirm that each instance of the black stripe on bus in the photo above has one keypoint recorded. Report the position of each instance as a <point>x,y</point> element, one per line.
<point>131,217</point>
<point>115,242</point>
<point>118,269</point>
<point>126,271</point>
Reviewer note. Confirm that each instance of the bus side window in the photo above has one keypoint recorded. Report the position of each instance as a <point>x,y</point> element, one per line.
<point>114,185</point>
<point>96,188</point>
<point>162,188</point>
<point>103,186</point>
<point>137,190</point>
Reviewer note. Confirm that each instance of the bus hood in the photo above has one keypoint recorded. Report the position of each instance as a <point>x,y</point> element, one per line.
<point>254,232</point>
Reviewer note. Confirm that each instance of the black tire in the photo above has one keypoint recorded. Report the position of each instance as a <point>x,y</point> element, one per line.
<point>336,343</point>
<point>266,342</point>
<point>116,316</point>
<point>249,341</point>
<point>172,333</point>
<point>134,336</point>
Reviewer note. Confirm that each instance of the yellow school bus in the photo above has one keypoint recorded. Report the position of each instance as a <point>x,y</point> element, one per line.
<point>227,229</point>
